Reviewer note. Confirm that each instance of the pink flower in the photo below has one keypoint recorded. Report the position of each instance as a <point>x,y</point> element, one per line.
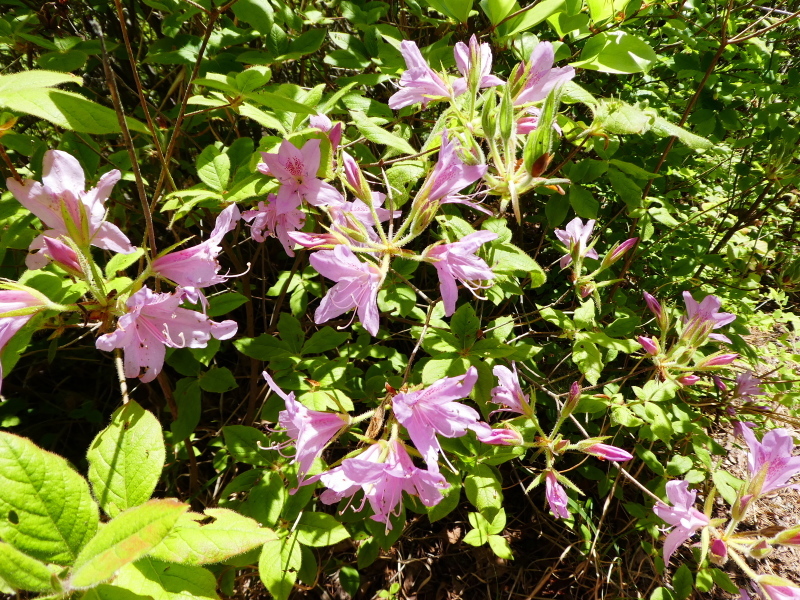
<point>197,267</point>
<point>747,386</point>
<point>61,253</point>
<point>357,285</point>
<point>540,76</point>
<point>688,379</point>
<point>296,169</point>
<point>419,83</point>
<point>496,437</point>
<point>770,461</point>
<point>653,305</point>
<point>450,175</point>
<point>509,393</point>
<point>777,588</point>
<point>682,515</point>
<point>316,241</point>
<point>16,301</point>
<point>433,410</point>
<point>556,496</point>
<point>576,237</point>
<point>618,251</point>
<point>268,219</point>
<point>355,220</point>
<point>718,552</point>
<point>458,261</point>
<point>310,430</point>
<point>474,56</point>
<point>61,204</point>
<point>324,124</point>
<point>607,452</point>
<point>701,318</point>
<point>384,471</point>
<point>650,345</point>
<point>153,323</point>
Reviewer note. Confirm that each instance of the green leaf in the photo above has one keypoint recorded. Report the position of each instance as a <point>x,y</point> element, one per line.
<point>66,109</point>
<point>167,581</point>
<point>465,325</point>
<point>320,529</point>
<point>34,79</point>
<point>280,103</point>
<point>23,572</point>
<point>248,445</point>
<point>695,142</point>
<point>111,592</point>
<point>228,535</point>
<point>187,398</point>
<point>126,458</point>
<point>307,43</point>
<point>217,380</point>
<point>120,262</point>
<point>583,202</point>
<point>723,580</point>
<point>223,303</point>
<point>450,501</point>
<point>214,168</point>
<point>727,485</point>
<point>259,14</point>
<point>278,565</point>
<point>46,509</point>
<point>264,347</point>
<point>323,340</point>
<point>586,355</point>
<point>602,10</point>
<point>601,339</point>
<point>500,547</point>
<point>124,539</point>
<point>659,422</point>
<point>556,210</point>
<point>682,582</point>
<point>511,259</point>
<point>483,488</point>
<point>616,52</point>
<point>378,135</point>
<point>350,580</point>
<point>291,332</point>
<point>458,10</point>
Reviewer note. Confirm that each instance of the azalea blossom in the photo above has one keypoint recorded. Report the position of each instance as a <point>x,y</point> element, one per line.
<point>324,124</point>
<point>702,317</point>
<point>317,241</point>
<point>464,56</point>
<point>153,323</point>
<point>419,83</point>
<point>61,253</point>
<point>650,345</point>
<point>357,285</point>
<point>450,174</point>
<point>747,386</point>
<point>500,436</point>
<point>197,267</point>
<point>556,496</point>
<point>540,76</point>
<point>355,219</point>
<point>770,461</point>
<point>62,204</point>
<point>682,515</point>
<point>688,379</point>
<point>777,588</point>
<point>457,261</point>
<point>23,305</point>
<point>310,430</point>
<point>509,392</point>
<point>575,236</point>
<point>266,219</point>
<point>384,471</point>
<point>432,410</point>
<point>296,169</point>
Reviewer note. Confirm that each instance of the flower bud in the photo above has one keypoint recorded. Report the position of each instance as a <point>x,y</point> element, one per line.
<point>573,398</point>
<point>688,379</point>
<point>788,537</point>
<point>355,179</point>
<point>718,553</point>
<point>720,360</point>
<point>760,549</point>
<point>316,241</point>
<point>617,252</point>
<point>606,452</point>
<point>650,345</point>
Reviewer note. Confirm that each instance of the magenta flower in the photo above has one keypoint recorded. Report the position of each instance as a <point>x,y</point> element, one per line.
<point>747,386</point>
<point>777,588</point>
<point>24,305</point>
<point>355,220</point>
<point>59,252</point>
<point>496,437</point>
<point>197,267</point>
<point>61,204</point>
<point>296,169</point>
<point>681,515</point>
<point>718,360</point>
<point>770,461</point>
<point>576,238</point>
<point>653,305</point>
<point>153,323</point>
<point>310,430</point>
<point>384,471</point>
<point>324,124</point>
<point>556,496</point>
<point>650,345</point>
<point>477,56</point>
<point>509,392</point>
<point>316,241</point>
<point>618,251</point>
<point>357,285</point>
<point>267,219</point>
<point>607,452</point>
<point>540,76</point>
<point>419,83</point>
<point>458,261</point>
<point>688,379</point>
<point>701,318</point>
<point>424,413</point>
